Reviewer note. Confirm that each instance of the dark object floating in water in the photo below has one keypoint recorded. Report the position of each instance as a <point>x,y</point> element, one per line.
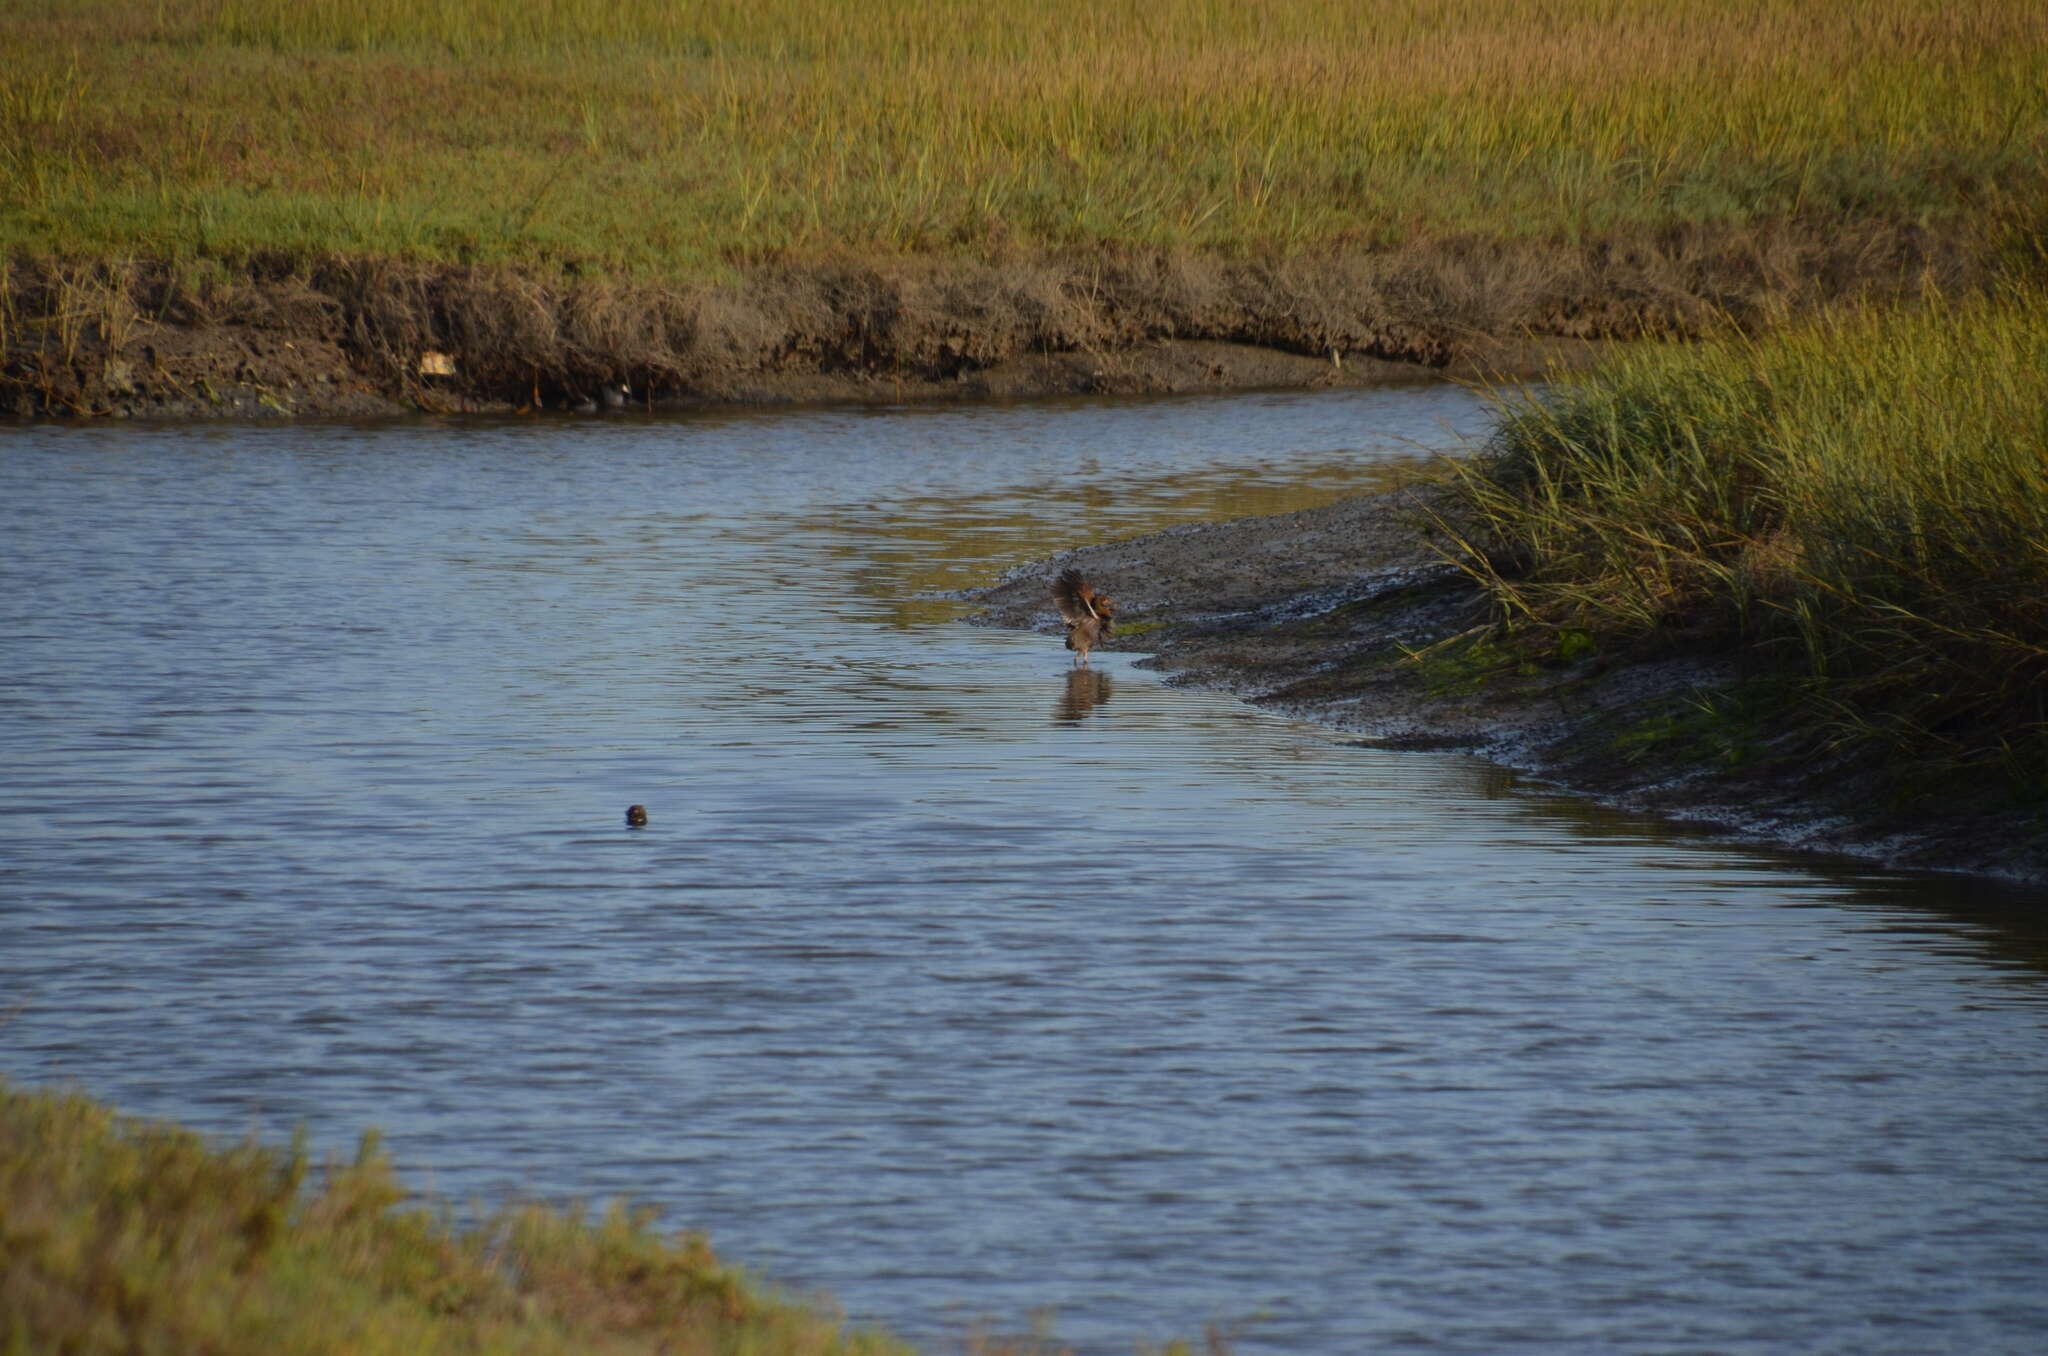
<point>636,816</point>
<point>1086,612</point>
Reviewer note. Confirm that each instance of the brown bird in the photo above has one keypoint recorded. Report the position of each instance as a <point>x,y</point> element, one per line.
<point>636,816</point>
<point>1086,612</point>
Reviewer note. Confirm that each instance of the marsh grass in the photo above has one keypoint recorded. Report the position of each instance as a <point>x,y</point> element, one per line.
<point>686,141</point>
<point>120,1235</point>
<point>1860,506</point>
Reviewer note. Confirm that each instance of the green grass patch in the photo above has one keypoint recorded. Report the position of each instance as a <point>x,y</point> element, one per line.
<point>687,140</point>
<point>119,1235</point>
<point>1860,507</point>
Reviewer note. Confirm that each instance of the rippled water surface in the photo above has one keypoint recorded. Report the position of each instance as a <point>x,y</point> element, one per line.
<point>944,978</point>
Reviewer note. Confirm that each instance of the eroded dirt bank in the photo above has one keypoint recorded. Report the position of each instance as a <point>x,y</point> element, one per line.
<point>1319,614</point>
<point>275,337</point>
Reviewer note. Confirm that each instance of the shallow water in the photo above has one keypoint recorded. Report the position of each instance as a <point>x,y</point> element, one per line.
<point>944,978</point>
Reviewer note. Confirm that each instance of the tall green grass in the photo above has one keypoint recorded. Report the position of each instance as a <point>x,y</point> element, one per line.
<point>1860,506</point>
<point>685,139</point>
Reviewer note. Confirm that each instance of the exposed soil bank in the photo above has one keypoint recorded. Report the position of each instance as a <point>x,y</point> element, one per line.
<point>277,337</point>
<point>1316,614</point>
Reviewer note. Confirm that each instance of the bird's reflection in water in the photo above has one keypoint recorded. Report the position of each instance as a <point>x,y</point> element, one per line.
<point>1086,689</point>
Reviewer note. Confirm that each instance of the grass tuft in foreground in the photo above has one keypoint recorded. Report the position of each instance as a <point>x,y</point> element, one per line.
<point>123,1235</point>
<point>119,1235</point>
<point>1860,506</point>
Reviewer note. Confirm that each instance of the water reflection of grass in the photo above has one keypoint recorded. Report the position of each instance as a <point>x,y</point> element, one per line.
<point>1860,508</point>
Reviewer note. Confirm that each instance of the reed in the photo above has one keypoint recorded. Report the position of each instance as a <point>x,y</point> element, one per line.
<point>686,140</point>
<point>1860,507</point>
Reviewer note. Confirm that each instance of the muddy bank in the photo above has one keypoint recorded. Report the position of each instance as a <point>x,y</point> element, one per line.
<point>1348,616</point>
<point>241,372</point>
<point>276,337</point>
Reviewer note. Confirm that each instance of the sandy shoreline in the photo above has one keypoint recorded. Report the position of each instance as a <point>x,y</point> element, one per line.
<point>1313,614</point>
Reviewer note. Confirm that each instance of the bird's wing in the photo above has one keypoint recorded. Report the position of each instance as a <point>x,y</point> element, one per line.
<point>1074,598</point>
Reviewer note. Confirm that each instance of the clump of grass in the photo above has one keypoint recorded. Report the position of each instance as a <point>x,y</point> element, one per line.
<point>119,1235</point>
<point>1860,505</point>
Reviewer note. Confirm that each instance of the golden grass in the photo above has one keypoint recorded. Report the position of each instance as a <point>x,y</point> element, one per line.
<point>685,139</point>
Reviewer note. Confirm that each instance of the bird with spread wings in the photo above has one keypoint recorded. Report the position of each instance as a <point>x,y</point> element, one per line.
<point>1086,612</point>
